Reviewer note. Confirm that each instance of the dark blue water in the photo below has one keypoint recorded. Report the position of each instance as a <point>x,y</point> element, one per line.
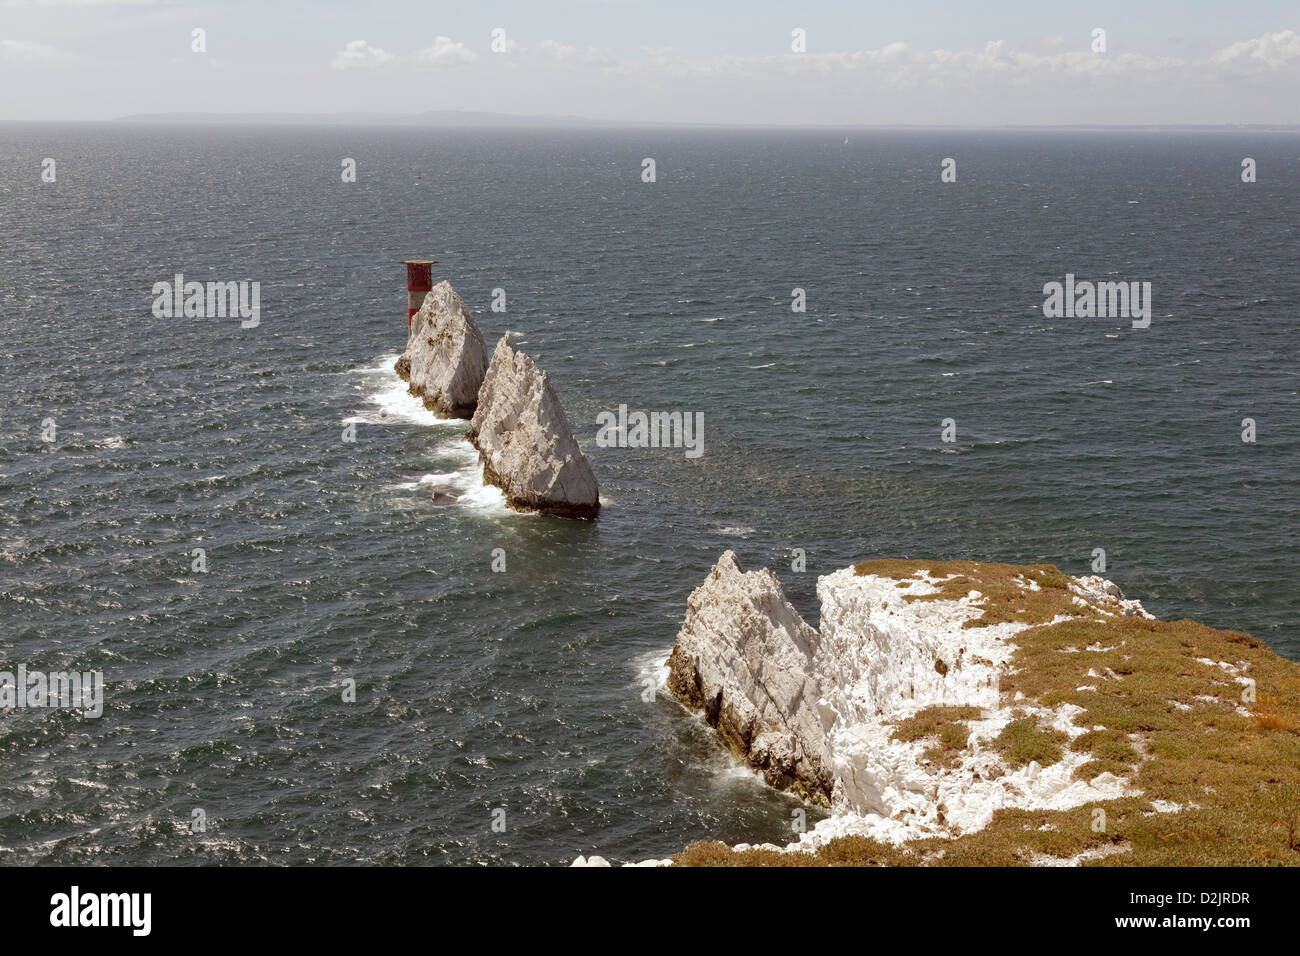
<point>522,690</point>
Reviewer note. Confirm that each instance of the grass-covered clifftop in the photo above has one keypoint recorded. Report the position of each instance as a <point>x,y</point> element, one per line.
<point>1204,725</point>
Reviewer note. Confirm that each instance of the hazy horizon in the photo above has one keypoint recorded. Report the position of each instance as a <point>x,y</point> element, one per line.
<point>938,63</point>
<point>483,119</point>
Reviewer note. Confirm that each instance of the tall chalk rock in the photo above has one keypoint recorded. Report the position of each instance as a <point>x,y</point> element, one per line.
<point>745,657</point>
<point>445,358</point>
<point>524,441</point>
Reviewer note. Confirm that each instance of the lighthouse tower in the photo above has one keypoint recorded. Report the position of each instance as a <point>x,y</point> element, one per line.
<point>419,280</point>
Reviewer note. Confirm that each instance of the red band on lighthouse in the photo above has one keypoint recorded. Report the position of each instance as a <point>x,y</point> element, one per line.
<point>419,280</point>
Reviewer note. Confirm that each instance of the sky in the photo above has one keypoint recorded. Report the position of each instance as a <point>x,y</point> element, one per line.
<point>837,62</point>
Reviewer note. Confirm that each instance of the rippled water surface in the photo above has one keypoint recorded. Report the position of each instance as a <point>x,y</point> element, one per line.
<point>523,690</point>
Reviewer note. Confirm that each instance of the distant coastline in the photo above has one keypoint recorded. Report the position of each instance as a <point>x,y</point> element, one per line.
<point>482,119</point>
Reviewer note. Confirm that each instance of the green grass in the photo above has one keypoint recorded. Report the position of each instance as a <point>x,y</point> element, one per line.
<point>946,725</point>
<point>1022,742</point>
<point>932,721</point>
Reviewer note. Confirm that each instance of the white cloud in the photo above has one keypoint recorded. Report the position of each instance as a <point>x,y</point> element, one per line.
<point>444,52</point>
<point>563,53</point>
<point>358,54</point>
<point>899,63</point>
<point>993,83</point>
<point>1271,51</point>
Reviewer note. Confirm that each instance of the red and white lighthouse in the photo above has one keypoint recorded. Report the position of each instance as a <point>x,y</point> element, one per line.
<point>419,280</point>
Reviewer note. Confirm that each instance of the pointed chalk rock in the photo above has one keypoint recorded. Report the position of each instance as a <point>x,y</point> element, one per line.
<point>745,657</point>
<point>524,440</point>
<point>445,358</point>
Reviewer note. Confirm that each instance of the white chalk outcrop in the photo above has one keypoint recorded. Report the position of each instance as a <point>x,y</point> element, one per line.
<point>1105,596</point>
<point>524,441</point>
<point>601,861</point>
<point>744,657</point>
<point>445,358</point>
<point>877,659</point>
<point>883,659</point>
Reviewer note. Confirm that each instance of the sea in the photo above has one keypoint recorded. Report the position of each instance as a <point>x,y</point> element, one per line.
<point>306,660</point>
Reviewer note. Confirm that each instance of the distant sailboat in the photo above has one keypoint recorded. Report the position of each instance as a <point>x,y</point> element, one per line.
<point>846,141</point>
